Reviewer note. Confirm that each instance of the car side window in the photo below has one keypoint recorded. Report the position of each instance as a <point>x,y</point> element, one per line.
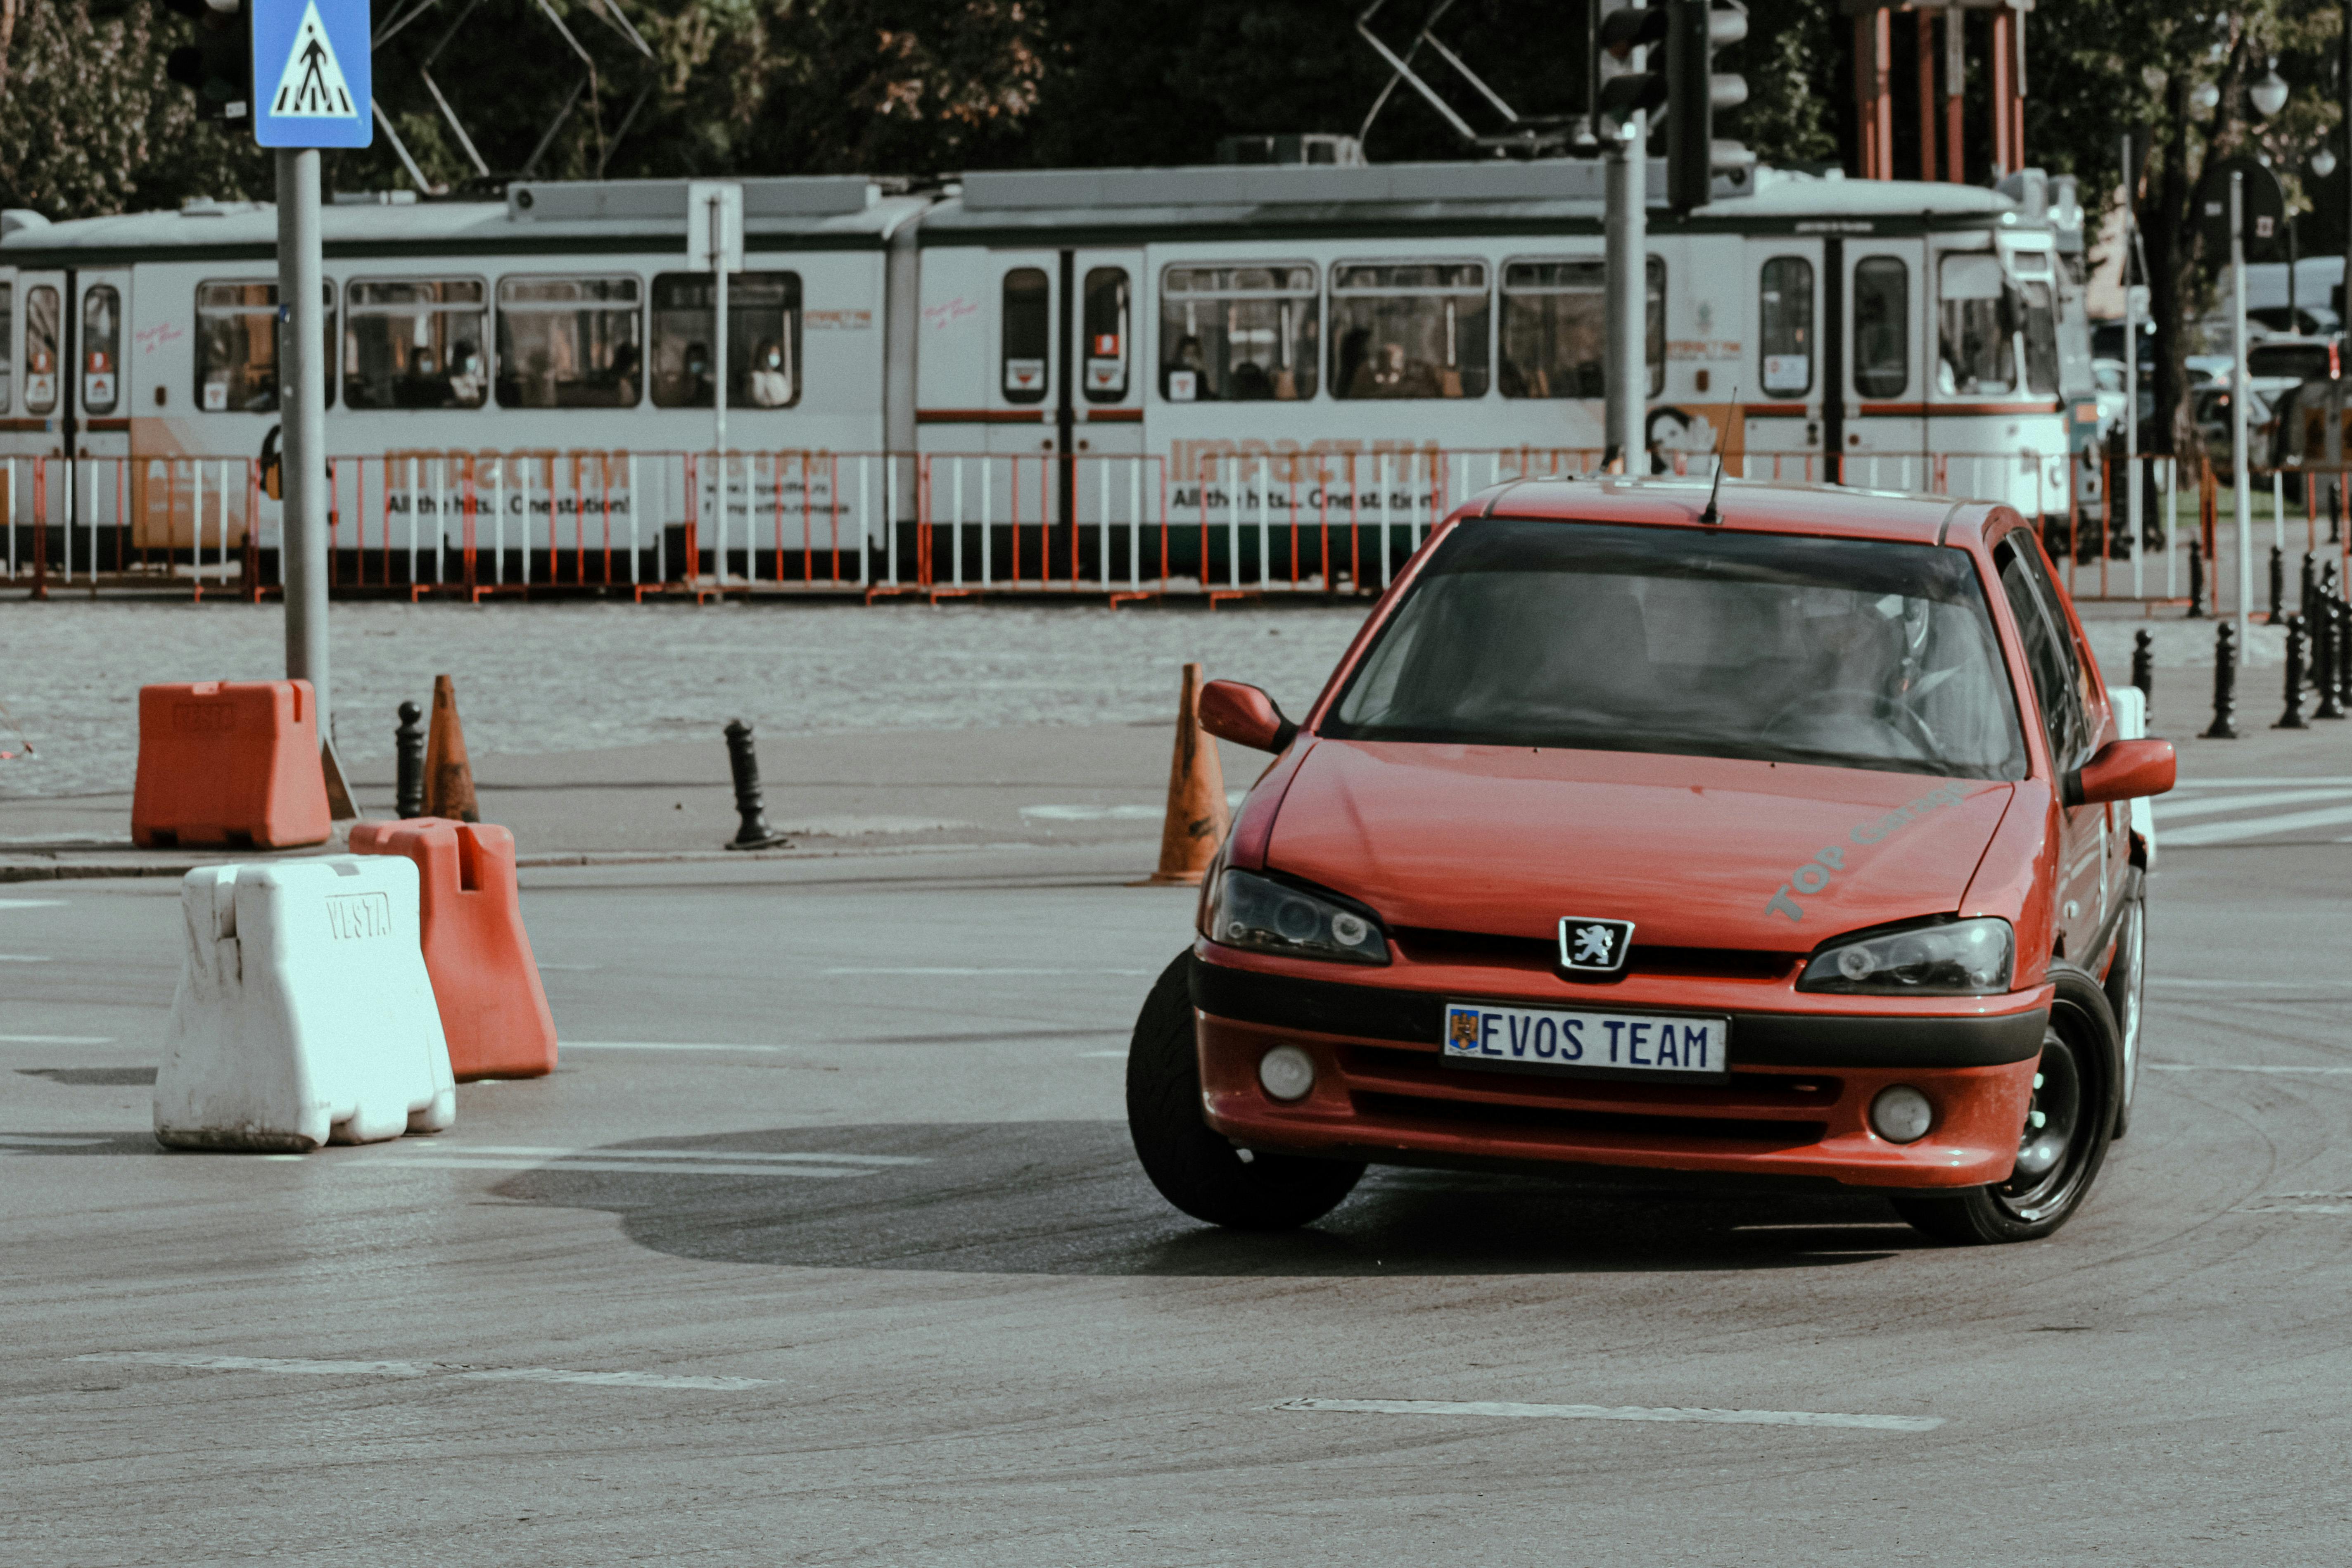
<point>2048,657</point>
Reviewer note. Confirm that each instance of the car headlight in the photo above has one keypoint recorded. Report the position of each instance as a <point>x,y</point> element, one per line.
<point>1248,910</point>
<point>1950,958</point>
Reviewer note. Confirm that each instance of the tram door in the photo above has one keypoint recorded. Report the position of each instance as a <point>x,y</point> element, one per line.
<point>35,422</point>
<point>1026,379</point>
<point>1107,321</point>
<point>100,389</point>
<point>1785,415</point>
<point>1886,433</point>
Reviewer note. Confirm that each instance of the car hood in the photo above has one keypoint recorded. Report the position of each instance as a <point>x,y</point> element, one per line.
<point>1698,851</point>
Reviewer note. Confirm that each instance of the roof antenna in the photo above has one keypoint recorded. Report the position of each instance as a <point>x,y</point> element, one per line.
<point>1711,517</point>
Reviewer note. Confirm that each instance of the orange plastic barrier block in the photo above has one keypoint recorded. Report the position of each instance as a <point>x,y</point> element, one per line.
<point>493,1008</point>
<point>234,763</point>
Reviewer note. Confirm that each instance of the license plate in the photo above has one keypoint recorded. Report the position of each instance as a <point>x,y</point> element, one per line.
<point>1539,1039</point>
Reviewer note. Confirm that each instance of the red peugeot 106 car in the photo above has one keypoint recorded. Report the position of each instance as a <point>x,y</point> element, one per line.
<point>1782,836</point>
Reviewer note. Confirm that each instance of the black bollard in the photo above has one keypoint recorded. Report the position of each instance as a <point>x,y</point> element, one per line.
<point>2335,510</point>
<point>2144,666</point>
<point>2293,718</point>
<point>2196,580</point>
<point>2225,684</point>
<point>408,750</point>
<point>754,832</point>
<point>2327,651</point>
<point>2342,654</point>
<point>2278,584</point>
<point>2310,582</point>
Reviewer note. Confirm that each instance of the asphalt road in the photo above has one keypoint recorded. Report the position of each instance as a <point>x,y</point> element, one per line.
<point>856,1267</point>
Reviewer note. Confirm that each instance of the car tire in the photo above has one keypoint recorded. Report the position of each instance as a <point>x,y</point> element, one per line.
<point>2126,990</point>
<point>1197,1169</point>
<point>2075,1091</point>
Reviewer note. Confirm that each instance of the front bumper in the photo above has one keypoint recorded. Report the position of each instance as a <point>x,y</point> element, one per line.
<point>1796,1103</point>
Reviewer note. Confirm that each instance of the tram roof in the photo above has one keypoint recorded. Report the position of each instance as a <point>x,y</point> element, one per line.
<point>1548,196</point>
<point>584,217</point>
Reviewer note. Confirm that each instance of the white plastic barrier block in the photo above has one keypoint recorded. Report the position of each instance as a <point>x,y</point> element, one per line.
<point>304,1014</point>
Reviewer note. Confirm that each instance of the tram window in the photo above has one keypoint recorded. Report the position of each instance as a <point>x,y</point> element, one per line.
<point>1976,349</point>
<point>2041,339</point>
<point>101,349</point>
<point>1784,312</point>
<point>569,342</point>
<point>1027,325</point>
<point>236,346</point>
<point>7,342</point>
<point>1108,329</point>
<point>764,340</point>
<point>1555,325</point>
<point>1241,334</point>
<point>41,322</point>
<point>1882,326</point>
<point>414,342</point>
<point>1409,329</point>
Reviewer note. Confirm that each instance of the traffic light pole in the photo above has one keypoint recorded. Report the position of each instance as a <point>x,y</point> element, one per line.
<point>2242,489</point>
<point>1627,378</point>
<point>302,405</point>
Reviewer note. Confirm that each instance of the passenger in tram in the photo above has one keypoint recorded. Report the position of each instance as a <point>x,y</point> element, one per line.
<point>1251,383</point>
<point>623,375</point>
<point>697,375</point>
<point>1189,360</point>
<point>771,383</point>
<point>1387,373</point>
<point>465,377</point>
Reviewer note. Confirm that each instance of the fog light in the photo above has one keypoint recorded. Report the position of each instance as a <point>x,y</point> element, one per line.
<point>1901,1114</point>
<point>1286,1072</point>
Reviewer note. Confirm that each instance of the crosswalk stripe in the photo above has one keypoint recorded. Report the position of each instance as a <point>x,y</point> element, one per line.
<point>2170,810</point>
<point>2258,827</point>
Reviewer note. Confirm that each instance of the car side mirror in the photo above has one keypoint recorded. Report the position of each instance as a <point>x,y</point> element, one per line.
<point>1245,716</point>
<point>2123,770</point>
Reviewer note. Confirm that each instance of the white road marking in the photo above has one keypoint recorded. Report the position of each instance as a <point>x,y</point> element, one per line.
<point>628,1167</point>
<point>2181,983</point>
<point>2300,1203</point>
<point>427,1368</point>
<point>24,958</point>
<point>568,968</point>
<point>2170,810</point>
<point>1096,1055</point>
<point>43,1143</point>
<point>1095,812</point>
<point>2261,782</point>
<point>2256,827</point>
<point>562,1045</point>
<point>31,903</point>
<point>1614,1412</point>
<point>56,1039</point>
<point>964,971</point>
<point>536,1151</point>
<point>2238,1066</point>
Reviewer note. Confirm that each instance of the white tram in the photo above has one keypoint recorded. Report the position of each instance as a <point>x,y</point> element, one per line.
<point>1103,377</point>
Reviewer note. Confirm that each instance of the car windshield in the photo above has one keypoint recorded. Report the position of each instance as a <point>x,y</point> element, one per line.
<point>1847,653</point>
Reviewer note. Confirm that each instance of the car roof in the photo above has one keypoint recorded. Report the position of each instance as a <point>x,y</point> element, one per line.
<point>1746,505</point>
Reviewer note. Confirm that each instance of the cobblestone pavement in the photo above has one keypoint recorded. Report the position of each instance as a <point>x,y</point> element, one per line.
<point>559,678</point>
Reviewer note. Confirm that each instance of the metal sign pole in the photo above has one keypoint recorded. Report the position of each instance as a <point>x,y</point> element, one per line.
<point>1626,377</point>
<point>2242,489</point>
<point>2132,292</point>
<point>302,387</point>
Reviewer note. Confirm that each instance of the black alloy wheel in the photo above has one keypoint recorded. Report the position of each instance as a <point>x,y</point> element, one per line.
<point>1196,1169</point>
<point>2064,1140</point>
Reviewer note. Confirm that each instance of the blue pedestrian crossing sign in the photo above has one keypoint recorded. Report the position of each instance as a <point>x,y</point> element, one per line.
<point>311,75</point>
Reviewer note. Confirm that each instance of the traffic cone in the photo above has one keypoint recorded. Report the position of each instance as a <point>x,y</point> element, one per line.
<point>1196,818</point>
<point>448,776</point>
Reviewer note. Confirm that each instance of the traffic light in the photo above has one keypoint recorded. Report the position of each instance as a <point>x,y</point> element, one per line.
<point>219,64</point>
<point>1695,91</point>
<point>1624,91</point>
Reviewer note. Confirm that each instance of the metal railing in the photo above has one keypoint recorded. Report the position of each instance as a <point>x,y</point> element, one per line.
<point>1225,522</point>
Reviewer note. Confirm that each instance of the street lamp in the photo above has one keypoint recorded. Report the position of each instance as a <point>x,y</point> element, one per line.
<point>2204,97</point>
<point>2323,163</point>
<point>2269,94</point>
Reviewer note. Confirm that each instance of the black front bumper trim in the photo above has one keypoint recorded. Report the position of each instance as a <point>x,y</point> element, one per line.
<point>1757,1039</point>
